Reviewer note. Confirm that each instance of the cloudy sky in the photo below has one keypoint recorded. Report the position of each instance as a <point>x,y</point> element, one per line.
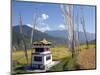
<point>49,16</point>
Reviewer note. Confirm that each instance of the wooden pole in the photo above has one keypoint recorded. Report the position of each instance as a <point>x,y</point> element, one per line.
<point>32,35</point>
<point>67,11</point>
<point>77,33</point>
<point>83,25</point>
<point>23,38</point>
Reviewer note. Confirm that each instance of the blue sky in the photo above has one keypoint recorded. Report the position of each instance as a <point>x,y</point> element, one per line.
<point>49,16</point>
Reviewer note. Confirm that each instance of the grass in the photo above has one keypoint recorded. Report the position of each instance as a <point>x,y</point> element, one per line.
<point>57,52</point>
<point>60,52</point>
<point>84,60</point>
<point>20,56</point>
<point>18,59</point>
<point>87,59</point>
<point>81,61</point>
<point>90,46</point>
<point>65,64</point>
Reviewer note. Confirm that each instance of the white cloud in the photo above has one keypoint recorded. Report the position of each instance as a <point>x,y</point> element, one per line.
<point>62,26</point>
<point>41,24</point>
<point>29,25</point>
<point>44,16</point>
<point>41,28</point>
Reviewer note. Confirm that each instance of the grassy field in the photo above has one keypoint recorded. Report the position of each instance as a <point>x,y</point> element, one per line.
<point>20,57</point>
<point>60,52</point>
<point>84,60</point>
<point>57,52</point>
<point>87,59</point>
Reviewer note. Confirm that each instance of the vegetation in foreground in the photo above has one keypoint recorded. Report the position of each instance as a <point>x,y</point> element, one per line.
<point>65,64</point>
<point>85,59</point>
<point>61,54</point>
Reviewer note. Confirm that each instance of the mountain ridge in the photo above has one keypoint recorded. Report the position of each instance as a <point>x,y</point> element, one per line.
<point>63,33</point>
<point>56,39</point>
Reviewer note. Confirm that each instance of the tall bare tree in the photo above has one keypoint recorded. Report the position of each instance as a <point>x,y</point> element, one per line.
<point>77,32</point>
<point>83,25</point>
<point>23,38</point>
<point>67,11</point>
<point>32,33</point>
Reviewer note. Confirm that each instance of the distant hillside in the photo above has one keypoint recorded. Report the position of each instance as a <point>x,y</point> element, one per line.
<point>63,34</point>
<point>92,42</point>
<point>38,35</point>
<point>56,37</point>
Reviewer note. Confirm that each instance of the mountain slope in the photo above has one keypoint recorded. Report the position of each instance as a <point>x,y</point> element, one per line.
<point>38,35</point>
<point>63,34</point>
<point>56,37</point>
